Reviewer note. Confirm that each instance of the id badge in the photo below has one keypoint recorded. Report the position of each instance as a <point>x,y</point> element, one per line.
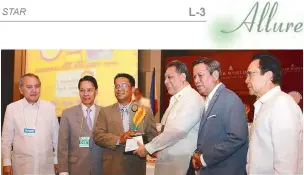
<point>84,142</point>
<point>29,131</point>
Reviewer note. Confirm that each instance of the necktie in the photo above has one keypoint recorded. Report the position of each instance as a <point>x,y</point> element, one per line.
<point>125,118</point>
<point>88,118</point>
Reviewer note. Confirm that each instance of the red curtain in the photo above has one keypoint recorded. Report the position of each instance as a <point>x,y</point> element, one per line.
<point>234,65</point>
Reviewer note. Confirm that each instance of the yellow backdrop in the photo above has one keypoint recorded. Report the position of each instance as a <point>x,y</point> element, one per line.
<point>60,71</point>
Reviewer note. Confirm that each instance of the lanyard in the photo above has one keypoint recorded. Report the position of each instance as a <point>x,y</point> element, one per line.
<point>24,117</point>
<point>81,128</point>
<point>81,125</point>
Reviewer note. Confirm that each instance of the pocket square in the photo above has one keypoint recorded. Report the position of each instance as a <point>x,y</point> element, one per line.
<point>211,116</point>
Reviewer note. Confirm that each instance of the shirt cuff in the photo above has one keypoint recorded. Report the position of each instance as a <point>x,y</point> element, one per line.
<point>7,162</point>
<point>64,173</point>
<point>55,160</point>
<point>149,148</point>
<point>202,161</point>
<point>117,143</point>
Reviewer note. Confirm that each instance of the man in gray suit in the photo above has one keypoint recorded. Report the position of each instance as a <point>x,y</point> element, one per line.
<point>115,125</point>
<point>77,152</point>
<point>223,135</point>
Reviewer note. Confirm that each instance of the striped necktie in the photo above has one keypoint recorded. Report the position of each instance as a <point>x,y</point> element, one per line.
<point>125,118</point>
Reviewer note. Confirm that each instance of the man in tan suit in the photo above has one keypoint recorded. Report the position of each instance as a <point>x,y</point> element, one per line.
<point>114,125</point>
<point>77,152</point>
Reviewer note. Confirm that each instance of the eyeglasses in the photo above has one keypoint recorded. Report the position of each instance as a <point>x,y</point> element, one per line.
<point>249,73</point>
<point>122,86</point>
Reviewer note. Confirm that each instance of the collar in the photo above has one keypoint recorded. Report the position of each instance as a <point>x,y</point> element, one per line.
<point>84,107</point>
<point>178,95</point>
<point>211,94</point>
<point>121,107</point>
<point>268,95</point>
<point>26,103</point>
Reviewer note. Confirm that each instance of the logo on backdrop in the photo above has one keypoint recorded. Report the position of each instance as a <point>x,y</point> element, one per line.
<point>232,73</point>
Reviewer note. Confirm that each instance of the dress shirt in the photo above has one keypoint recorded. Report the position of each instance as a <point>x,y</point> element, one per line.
<point>276,135</point>
<point>121,107</point>
<point>173,101</point>
<point>157,144</point>
<point>92,113</point>
<point>38,116</point>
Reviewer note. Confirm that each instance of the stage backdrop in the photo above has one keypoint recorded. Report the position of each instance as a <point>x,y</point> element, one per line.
<point>60,71</point>
<point>234,66</point>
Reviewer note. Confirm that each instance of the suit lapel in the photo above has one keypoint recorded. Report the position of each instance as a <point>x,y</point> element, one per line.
<point>117,119</point>
<point>211,104</point>
<point>97,109</point>
<point>81,119</point>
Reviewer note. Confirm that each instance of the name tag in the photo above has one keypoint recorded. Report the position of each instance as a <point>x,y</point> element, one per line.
<point>84,142</point>
<point>29,131</point>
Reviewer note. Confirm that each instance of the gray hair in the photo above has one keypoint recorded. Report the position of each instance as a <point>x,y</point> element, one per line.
<point>212,65</point>
<point>28,75</point>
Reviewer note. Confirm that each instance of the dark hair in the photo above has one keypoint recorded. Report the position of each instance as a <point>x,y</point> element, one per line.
<point>28,75</point>
<point>180,68</point>
<point>125,75</point>
<point>269,62</point>
<point>90,79</point>
<point>212,65</point>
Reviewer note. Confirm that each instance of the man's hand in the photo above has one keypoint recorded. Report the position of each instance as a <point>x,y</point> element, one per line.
<point>154,155</point>
<point>141,150</point>
<point>56,168</point>
<point>7,170</point>
<point>196,161</point>
<point>125,136</point>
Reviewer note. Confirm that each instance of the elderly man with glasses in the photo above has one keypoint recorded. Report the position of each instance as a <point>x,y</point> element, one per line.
<point>276,144</point>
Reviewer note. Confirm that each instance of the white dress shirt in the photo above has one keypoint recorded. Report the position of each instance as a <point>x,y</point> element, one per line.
<point>276,135</point>
<point>32,154</point>
<point>178,140</point>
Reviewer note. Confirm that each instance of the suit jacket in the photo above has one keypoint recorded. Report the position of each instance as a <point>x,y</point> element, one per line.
<point>72,158</point>
<point>223,135</point>
<point>107,132</point>
<point>31,154</point>
<point>177,142</point>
